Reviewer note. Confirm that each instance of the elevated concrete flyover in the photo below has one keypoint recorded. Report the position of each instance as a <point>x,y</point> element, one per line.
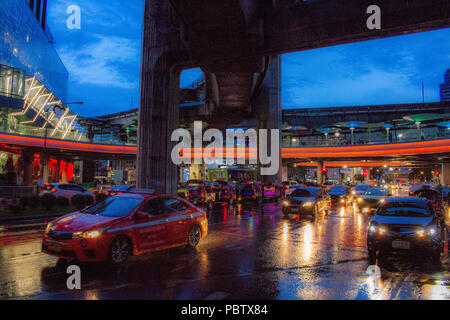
<point>237,44</point>
<point>417,151</point>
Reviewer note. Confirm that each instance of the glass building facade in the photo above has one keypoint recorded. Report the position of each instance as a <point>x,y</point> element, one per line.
<point>26,44</point>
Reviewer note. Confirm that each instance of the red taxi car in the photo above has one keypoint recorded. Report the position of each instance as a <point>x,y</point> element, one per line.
<point>124,225</point>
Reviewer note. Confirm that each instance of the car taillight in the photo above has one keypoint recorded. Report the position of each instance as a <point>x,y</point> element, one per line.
<point>53,190</point>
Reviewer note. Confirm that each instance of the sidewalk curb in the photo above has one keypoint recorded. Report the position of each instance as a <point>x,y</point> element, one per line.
<point>22,233</point>
<point>6,220</point>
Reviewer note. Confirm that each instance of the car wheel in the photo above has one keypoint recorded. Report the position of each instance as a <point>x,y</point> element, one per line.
<point>194,236</point>
<point>62,263</point>
<point>119,251</point>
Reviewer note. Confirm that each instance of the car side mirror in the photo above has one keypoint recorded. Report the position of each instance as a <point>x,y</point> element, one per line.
<point>141,215</point>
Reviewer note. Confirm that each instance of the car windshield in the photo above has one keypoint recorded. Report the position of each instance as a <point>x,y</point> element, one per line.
<point>303,193</point>
<point>338,190</point>
<point>113,207</point>
<point>376,192</point>
<point>427,194</point>
<point>362,187</point>
<point>405,209</point>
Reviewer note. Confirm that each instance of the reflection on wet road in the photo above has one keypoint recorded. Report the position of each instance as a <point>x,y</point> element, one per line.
<point>248,254</point>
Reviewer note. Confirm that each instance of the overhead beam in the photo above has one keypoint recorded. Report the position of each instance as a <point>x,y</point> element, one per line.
<point>326,23</point>
<point>315,24</point>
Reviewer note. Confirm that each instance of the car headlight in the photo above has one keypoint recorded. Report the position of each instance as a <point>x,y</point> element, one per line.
<point>285,203</point>
<point>382,200</point>
<point>360,199</point>
<point>432,231</point>
<point>87,235</point>
<point>374,228</point>
<point>91,234</point>
<point>307,204</point>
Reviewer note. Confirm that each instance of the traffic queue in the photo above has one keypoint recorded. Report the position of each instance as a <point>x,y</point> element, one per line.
<point>133,221</point>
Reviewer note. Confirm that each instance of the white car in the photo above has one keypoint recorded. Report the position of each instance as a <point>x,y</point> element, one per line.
<point>66,190</point>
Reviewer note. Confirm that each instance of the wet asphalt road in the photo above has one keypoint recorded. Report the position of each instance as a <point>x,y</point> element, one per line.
<point>248,254</point>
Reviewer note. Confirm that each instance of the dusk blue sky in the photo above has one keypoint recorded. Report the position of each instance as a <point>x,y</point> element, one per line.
<point>103,60</point>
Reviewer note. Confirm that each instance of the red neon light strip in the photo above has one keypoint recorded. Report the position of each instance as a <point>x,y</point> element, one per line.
<point>407,148</point>
<point>67,145</point>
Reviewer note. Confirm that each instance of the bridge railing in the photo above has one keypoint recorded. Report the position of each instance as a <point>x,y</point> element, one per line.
<point>365,138</point>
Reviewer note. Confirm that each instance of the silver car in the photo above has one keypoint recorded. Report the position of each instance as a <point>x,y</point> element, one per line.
<point>65,190</point>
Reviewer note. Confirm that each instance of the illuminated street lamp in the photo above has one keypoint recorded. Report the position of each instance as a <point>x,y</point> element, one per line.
<point>352,125</point>
<point>326,131</point>
<point>388,127</point>
<point>421,117</point>
<point>419,132</point>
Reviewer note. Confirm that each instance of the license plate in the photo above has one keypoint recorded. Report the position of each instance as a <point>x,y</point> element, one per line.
<point>56,247</point>
<point>396,244</point>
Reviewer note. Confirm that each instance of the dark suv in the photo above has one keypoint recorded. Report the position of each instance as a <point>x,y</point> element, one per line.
<point>406,225</point>
<point>308,201</point>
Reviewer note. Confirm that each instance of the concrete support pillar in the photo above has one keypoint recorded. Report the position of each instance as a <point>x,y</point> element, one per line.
<point>88,171</point>
<point>56,172</point>
<point>284,173</point>
<point>80,172</point>
<point>28,157</point>
<point>64,178</point>
<point>268,109</point>
<point>44,168</point>
<point>445,174</point>
<point>319,173</point>
<point>158,113</point>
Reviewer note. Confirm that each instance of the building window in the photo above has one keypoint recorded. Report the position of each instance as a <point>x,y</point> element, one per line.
<point>39,8</point>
